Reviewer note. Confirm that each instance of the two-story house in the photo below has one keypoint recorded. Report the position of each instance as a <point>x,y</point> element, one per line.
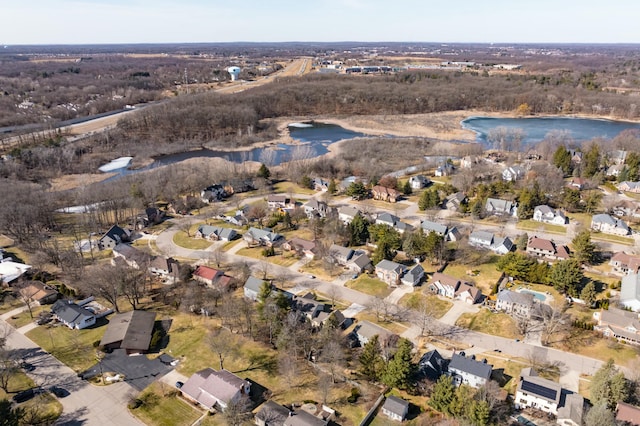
<point>212,389</point>
<point>498,207</point>
<point>546,249</point>
<point>390,272</point>
<point>609,225</point>
<point>624,263</point>
<point>546,214</point>
<point>536,392</point>
<point>469,371</point>
<point>383,193</point>
<point>515,303</point>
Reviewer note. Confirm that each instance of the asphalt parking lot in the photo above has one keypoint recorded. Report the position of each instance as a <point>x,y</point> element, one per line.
<point>138,370</point>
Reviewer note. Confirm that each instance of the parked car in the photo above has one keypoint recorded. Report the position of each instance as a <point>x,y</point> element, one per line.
<point>26,395</point>
<point>179,385</point>
<point>58,391</point>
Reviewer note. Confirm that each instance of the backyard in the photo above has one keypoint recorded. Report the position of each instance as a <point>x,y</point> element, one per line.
<point>370,285</point>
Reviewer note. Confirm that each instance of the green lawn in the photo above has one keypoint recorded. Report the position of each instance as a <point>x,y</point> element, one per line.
<point>532,225</point>
<point>599,236</point>
<point>163,407</point>
<point>72,347</point>
<point>24,318</point>
<point>181,239</point>
<point>45,405</point>
<point>484,275</point>
<point>436,306</point>
<point>18,381</point>
<point>485,321</point>
<point>370,285</point>
<point>7,301</point>
<point>282,258</point>
<point>287,187</point>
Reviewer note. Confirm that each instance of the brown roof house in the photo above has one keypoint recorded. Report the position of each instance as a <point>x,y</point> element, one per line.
<point>383,193</point>
<point>36,291</point>
<point>625,263</point>
<point>215,389</point>
<point>628,414</point>
<point>131,331</point>
<point>454,288</point>
<point>546,249</point>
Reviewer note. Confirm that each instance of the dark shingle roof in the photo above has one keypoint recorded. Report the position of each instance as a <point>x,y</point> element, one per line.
<point>134,329</point>
<point>468,365</point>
<point>396,405</point>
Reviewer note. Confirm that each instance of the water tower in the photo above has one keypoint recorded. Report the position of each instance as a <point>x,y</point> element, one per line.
<point>234,72</point>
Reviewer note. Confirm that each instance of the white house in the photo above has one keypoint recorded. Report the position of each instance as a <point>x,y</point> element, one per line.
<point>514,303</point>
<point>546,214</point>
<point>395,408</point>
<point>347,213</point>
<point>413,276</point>
<point>513,173</point>
<point>454,288</point>
<point>72,315</point>
<point>252,288</point>
<point>630,292</point>
<point>449,234</point>
<point>536,392</point>
<point>498,207</point>
<point>469,371</point>
<point>419,182</point>
<point>483,239</point>
<point>390,272</point>
<point>609,225</point>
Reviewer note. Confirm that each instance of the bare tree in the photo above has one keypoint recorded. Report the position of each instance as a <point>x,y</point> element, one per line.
<point>222,344</point>
<point>238,411</point>
<point>554,320</point>
<point>217,255</point>
<point>7,360</point>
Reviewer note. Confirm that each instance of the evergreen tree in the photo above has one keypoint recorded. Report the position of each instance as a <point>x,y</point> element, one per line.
<point>632,163</point>
<point>359,231</point>
<point>610,385</point>
<point>371,362</point>
<point>516,265</point>
<point>591,161</point>
<point>566,276</point>
<point>562,160</point>
<point>600,415</point>
<point>406,188</point>
<point>429,199</point>
<point>442,394</point>
<point>10,416</point>
<point>401,368</point>
<point>584,250</point>
<point>356,190</point>
<point>306,182</point>
<point>588,294</point>
<point>333,187</point>
<point>480,413</point>
<point>264,172</point>
<point>414,244</point>
<point>528,199</point>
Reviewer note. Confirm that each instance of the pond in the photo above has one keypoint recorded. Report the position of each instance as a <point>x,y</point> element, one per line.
<point>536,129</point>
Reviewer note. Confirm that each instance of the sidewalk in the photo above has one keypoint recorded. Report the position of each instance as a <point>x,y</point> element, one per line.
<point>16,311</point>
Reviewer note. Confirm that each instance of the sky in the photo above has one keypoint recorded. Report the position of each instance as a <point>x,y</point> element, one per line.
<point>197,21</point>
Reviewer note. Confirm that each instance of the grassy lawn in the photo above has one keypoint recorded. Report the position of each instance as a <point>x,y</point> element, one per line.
<point>370,285</point>
<point>72,347</point>
<point>316,268</point>
<point>378,204</point>
<point>24,318</point>
<point>484,275</point>
<point>438,307</point>
<point>7,301</point>
<point>282,258</point>
<point>287,187</point>
<point>162,407</point>
<point>18,381</point>
<point>582,218</point>
<point>47,406</point>
<point>592,344</point>
<point>599,236</point>
<point>181,239</point>
<point>485,321</point>
<point>230,244</point>
<point>394,327</point>
<point>532,225</point>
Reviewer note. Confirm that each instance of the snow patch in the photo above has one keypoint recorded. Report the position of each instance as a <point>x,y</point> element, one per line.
<point>300,125</point>
<point>118,163</point>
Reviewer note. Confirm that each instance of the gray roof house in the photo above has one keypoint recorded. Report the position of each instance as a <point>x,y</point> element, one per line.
<point>130,331</point>
<point>546,214</point>
<point>514,303</point>
<point>609,225</point>
<point>454,201</point>
<point>432,365</point>
<point>114,236</point>
<point>347,213</point>
<point>390,272</point>
<point>469,371</point>
<point>214,389</point>
<point>572,412</point>
<point>395,408</point>
<point>537,392</point>
<point>271,414</point>
<point>252,288</point>
<point>393,222</point>
<point>513,173</point>
<point>497,207</point>
<point>413,276</point>
<point>72,315</point>
<point>315,208</point>
<point>419,181</point>
<point>135,258</point>
<point>262,237</point>
<point>630,292</point>
<point>302,418</point>
<point>483,239</point>
<point>449,234</point>
<point>365,330</point>
<point>341,254</point>
<point>359,263</point>
<point>216,233</point>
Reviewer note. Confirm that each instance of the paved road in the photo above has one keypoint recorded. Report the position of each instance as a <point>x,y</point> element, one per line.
<point>86,404</point>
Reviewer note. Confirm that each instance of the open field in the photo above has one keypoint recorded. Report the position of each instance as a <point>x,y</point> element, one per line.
<point>485,321</point>
<point>435,306</point>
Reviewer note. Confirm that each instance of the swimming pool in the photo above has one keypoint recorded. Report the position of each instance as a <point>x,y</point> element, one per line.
<point>541,297</point>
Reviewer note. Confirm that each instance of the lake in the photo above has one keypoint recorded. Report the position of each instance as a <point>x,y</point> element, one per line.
<point>536,129</point>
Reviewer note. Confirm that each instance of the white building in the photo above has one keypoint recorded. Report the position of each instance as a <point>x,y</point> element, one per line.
<point>546,214</point>
<point>469,371</point>
<point>536,392</point>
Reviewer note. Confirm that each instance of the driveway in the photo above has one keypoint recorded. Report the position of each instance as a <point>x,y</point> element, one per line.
<point>138,370</point>
<point>456,310</point>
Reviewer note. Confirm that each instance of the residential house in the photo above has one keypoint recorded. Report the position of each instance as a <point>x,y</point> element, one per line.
<point>576,156</point>
<point>213,193</point>
<point>577,183</point>
<point>341,255</point>
<point>347,213</point>
<point>513,173</point>
<point>10,270</point>
<point>252,288</point>
<point>390,272</point>
<point>413,276</point>
<point>212,277</point>
<point>165,267</point>
<point>359,263</point>
<point>444,169</point>
<point>624,263</point>
<point>469,371</point>
<point>114,236</point>
<point>131,331</point>
<point>454,288</point>
<point>609,225</point>
<point>280,201</point>
<point>303,418</point>
<point>536,392</point>
<point>214,389</point>
<point>617,156</point>
<point>547,249</point>
<point>262,237</point>
<point>320,184</point>
<point>419,182</point>
<point>154,215</point>
<point>626,208</point>
<point>72,315</point>
<point>546,214</point>
<point>135,258</point>
<point>618,324</point>
<point>572,412</point>
<point>627,186</point>
<point>455,201</point>
<point>38,292</point>
<point>365,331</point>
<point>302,247</point>
<point>483,239</point>
<point>627,414</point>
<point>469,161</point>
<point>630,292</point>
<point>346,182</point>
<point>271,414</point>
<point>238,219</point>
<point>315,208</point>
<point>393,222</point>
<point>449,234</point>
<point>432,365</point>
<point>310,308</point>
<point>614,170</point>
<point>497,207</point>
<point>383,193</point>
<point>515,303</point>
<point>216,233</point>
<point>395,408</point>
